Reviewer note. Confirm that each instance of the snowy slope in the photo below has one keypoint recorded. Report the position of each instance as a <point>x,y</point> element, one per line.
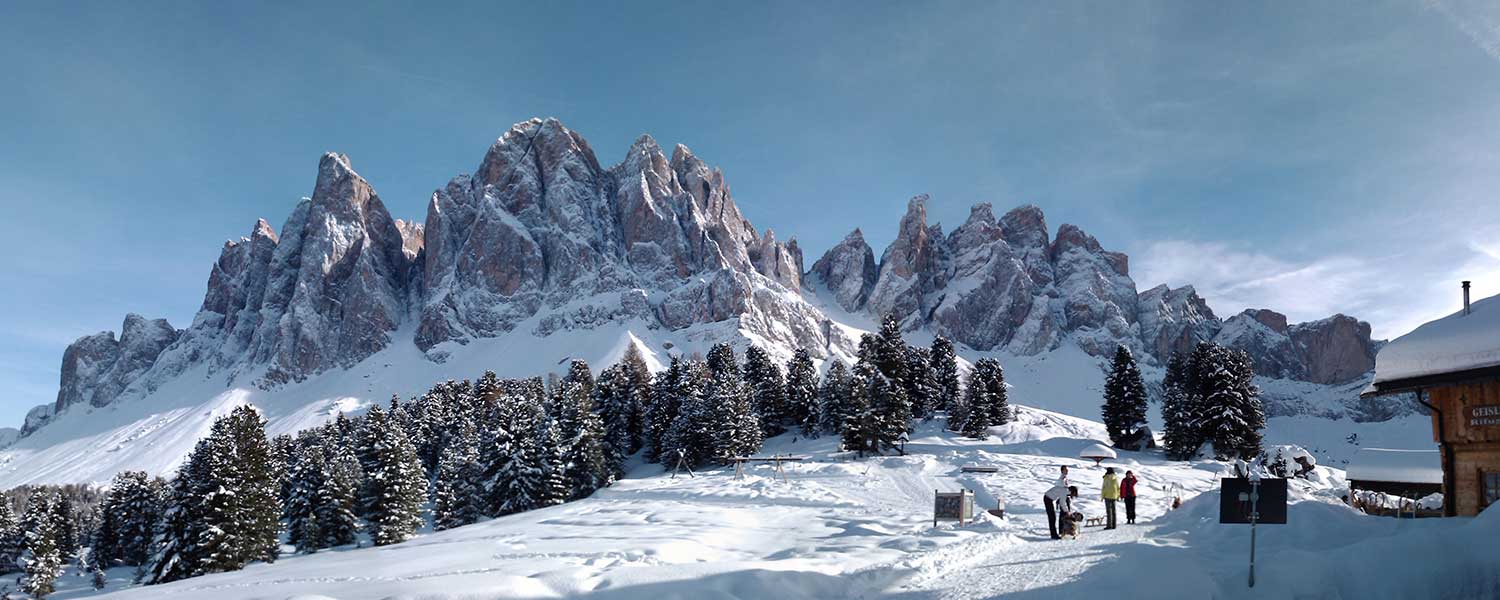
<point>844,528</point>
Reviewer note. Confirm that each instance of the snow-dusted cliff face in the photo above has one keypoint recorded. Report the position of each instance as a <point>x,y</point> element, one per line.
<point>540,235</point>
<point>1005,284</point>
<point>542,247</point>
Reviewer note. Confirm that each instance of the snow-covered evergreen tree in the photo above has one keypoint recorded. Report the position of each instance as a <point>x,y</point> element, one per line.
<point>766,386</point>
<point>860,426</point>
<point>511,456</point>
<point>307,479</point>
<point>921,383</point>
<point>178,554</point>
<point>638,386</point>
<point>581,431</point>
<point>616,405</point>
<point>887,350</point>
<point>458,493</point>
<point>12,539</point>
<point>735,429</point>
<point>802,393</point>
<point>42,560</point>
<point>127,520</point>
<point>258,480</point>
<point>65,527</point>
<point>338,519</point>
<point>1229,413</point>
<point>1124,408</point>
<point>549,467</point>
<point>893,413</point>
<point>975,409</point>
<point>834,404</point>
<point>958,413</point>
<point>661,411</point>
<point>395,485</point>
<point>944,366</point>
<point>1180,437</point>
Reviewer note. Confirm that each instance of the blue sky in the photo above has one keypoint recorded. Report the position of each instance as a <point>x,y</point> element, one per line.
<point>1312,159</point>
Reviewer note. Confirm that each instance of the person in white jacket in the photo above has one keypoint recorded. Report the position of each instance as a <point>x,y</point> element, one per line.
<point>1059,499</point>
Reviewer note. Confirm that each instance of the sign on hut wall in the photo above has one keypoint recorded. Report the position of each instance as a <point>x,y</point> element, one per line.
<point>1484,415</point>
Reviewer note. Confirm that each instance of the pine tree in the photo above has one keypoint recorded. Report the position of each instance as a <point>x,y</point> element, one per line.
<point>1230,414</point>
<point>12,539</point>
<point>944,365</point>
<point>65,527</point>
<point>893,413</point>
<point>889,350</point>
<point>127,519</point>
<point>178,554</point>
<point>338,521</point>
<point>548,468</point>
<point>302,501</point>
<point>997,394</point>
<point>637,384</point>
<point>802,393</point>
<point>1179,435</point>
<point>458,496</point>
<point>1124,408</point>
<point>860,430</point>
<point>661,411</point>
<point>614,403</point>
<point>259,507</point>
<point>959,413</point>
<point>833,399</point>
<point>581,432</point>
<point>505,452</point>
<point>977,403</point>
<point>42,560</point>
<point>767,389</point>
<point>394,485</point>
<point>921,383</point>
<point>735,429</point>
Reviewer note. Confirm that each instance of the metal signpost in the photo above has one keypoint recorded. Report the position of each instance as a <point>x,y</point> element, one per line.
<point>1254,501</point>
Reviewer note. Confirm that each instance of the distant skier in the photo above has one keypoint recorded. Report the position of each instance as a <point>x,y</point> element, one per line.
<point>1110,491</point>
<point>1059,499</point>
<point>1127,493</point>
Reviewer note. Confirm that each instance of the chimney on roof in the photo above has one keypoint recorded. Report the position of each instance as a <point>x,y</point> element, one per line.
<point>1466,297</point>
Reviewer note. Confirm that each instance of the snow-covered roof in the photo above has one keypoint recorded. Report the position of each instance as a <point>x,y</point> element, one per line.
<point>1396,466</point>
<point>1457,342</point>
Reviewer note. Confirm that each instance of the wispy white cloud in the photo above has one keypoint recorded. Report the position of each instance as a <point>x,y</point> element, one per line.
<point>1473,20</point>
<point>1395,291</point>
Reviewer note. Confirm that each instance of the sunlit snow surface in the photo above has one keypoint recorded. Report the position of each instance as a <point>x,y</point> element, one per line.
<point>846,528</point>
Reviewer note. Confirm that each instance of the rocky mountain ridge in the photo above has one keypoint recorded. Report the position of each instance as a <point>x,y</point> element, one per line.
<point>542,238</point>
<point>1005,284</point>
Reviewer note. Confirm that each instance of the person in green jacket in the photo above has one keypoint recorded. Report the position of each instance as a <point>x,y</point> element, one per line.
<point>1111,493</point>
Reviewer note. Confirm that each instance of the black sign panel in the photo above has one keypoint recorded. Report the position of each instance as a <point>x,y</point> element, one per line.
<point>1235,504</point>
<point>953,505</point>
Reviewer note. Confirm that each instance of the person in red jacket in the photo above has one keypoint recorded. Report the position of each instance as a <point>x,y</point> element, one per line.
<point>1127,493</point>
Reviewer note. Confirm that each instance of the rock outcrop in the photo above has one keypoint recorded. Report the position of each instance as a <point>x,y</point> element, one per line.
<point>848,271</point>
<point>1007,284</point>
<point>97,368</point>
<point>1174,320</point>
<point>1336,349</point>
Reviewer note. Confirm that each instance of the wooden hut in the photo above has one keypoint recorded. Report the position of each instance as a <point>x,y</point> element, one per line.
<point>1452,366</point>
